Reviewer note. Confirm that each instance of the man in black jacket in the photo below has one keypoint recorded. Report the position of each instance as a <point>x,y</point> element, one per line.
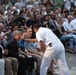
<point>9,61</point>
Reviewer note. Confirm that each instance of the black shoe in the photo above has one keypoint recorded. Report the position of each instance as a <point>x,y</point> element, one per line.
<point>38,73</point>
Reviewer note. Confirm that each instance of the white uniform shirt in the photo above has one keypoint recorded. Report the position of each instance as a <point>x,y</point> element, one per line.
<point>47,36</point>
<point>73,24</point>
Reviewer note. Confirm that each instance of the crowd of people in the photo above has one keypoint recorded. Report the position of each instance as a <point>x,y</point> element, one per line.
<point>17,18</point>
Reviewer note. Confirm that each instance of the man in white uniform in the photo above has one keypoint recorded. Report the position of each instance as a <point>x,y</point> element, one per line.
<point>52,48</point>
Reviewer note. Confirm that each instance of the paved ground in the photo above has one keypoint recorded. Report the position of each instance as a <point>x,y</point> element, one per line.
<point>71,61</point>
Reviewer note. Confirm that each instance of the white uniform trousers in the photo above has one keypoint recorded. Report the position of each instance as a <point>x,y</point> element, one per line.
<point>56,52</point>
<point>2,64</point>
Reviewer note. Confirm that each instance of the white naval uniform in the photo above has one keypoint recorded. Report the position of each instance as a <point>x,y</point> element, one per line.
<point>2,63</point>
<point>56,51</point>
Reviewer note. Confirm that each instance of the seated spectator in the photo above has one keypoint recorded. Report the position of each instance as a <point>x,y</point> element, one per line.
<point>22,42</point>
<point>29,5</point>
<point>13,1</point>
<point>48,3</point>
<point>3,34</point>
<point>67,26</point>
<point>16,18</point>
<point>38,19</point>
<point>15,9</point>
<point>74,2</point>
<point>48,23</point>
<point>21,18</point>
<point>9,61</point>
<point>29,23</point>
<point>13,28</point>
<point>67,4</point>
<point>19,5</point>
<point>63,15</point>
<point>23,2</point>
<point>63,36</point>
<point>36,2</point>
<point>70,27</point>
<point>8,4</point>
<point>28,46</point>
<point>73,24</point>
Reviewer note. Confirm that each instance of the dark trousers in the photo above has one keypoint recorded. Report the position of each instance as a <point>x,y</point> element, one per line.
<point>30,61</point>
<point>22,65</point>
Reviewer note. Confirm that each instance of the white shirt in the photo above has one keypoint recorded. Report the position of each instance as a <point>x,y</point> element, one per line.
<point>74,1</point>
<point>29,6</point>
<point>4,40</point>
<point>19,5</point>
<point>67,26</point>
<point>68,4</point>
<point>65,19</point>
<point>36,3</point>
<point>23,3</point>
<point>2,49</point>
<point>47,36</point>
<point>73,24</point>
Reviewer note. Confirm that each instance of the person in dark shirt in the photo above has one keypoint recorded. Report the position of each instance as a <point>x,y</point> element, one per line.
<point>22,42</point>
<point>13,48</point>
<point>22,45</point>
<point>48,23</point>
<point>13,28</point>
<point>21,18</point>
<point>38,19</point>
<point>29,23</point>
<point>9,61</point>
<point>16,18</point>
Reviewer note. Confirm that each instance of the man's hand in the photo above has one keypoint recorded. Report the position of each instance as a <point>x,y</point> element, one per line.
<point>8,32</point>
<point>45,23</point>
<point>28,53</point>
<point>21,55</point>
